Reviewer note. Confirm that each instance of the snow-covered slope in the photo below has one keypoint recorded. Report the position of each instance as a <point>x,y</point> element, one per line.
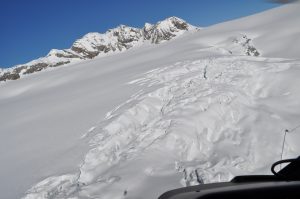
<point>202,108</point>
<point>275,32</point>
<point>97,44</point>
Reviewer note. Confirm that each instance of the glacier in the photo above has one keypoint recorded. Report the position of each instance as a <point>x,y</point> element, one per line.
<point>200,108</point>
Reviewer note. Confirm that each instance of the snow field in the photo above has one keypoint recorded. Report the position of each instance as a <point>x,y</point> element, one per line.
<point>198,121</point>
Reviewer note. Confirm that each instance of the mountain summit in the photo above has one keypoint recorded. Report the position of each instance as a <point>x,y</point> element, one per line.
<point>95,44</point>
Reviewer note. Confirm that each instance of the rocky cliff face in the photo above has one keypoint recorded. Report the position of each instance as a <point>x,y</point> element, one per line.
<point>95,44</point>
<point>165,30</point>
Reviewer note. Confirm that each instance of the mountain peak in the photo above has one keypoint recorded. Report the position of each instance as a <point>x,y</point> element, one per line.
<point>166,29</point>
<point>174,22</point>
<point>94,44</point>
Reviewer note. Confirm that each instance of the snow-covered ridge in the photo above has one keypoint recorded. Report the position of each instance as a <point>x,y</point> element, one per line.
<point>94,44</point>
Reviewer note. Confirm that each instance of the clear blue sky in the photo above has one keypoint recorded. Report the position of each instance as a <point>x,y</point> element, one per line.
<point>30,28</point>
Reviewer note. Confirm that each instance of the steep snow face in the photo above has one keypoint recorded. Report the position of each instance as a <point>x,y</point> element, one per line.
<point>97,44</point>
<point>201,108</point>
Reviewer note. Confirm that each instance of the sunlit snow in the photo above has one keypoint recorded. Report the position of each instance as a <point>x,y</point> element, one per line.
<point>201,108</point>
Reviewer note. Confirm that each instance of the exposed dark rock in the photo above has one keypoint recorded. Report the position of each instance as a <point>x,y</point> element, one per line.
<point>161,36</point>
<point>246,42</point>
<point>252,51</point>
<point>36,68</point>
<point>180,25</point>
<point>19,69</point>
<point>67,55</point>
<point>9,76</point>
<point>103,48</point>
<point>85,53</point>
<point>60,63</point>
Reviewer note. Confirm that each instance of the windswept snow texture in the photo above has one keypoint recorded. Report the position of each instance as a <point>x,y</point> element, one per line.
<point>202,108</point>
<point>187,128</point>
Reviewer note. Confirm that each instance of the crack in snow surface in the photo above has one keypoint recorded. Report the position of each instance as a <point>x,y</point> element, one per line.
<point>192,125</point>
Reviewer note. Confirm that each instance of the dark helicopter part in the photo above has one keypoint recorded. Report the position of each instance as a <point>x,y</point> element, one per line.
<point>284,184</point>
